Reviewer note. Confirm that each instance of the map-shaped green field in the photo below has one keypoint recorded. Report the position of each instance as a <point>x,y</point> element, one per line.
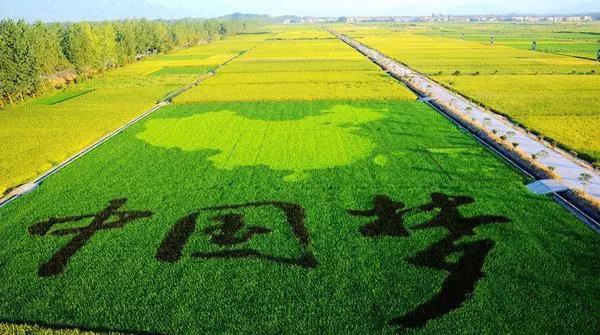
<point>309,143</point>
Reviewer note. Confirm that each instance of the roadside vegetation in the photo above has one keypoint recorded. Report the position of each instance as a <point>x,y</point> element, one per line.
<point>552,95</point>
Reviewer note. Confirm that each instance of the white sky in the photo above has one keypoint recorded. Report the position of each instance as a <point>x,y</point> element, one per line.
<point>380,7</point>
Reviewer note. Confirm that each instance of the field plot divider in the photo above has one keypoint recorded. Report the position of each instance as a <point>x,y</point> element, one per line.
<point>31,186</point>
<point>34,184</point>
<point>571,207</point>
<point>587,212</point>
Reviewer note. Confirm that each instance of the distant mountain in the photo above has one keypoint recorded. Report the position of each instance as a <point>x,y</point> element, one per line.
<point>93,10</point>
<point>97,10</point>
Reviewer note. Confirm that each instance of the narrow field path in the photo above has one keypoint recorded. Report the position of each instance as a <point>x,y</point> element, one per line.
<point>568,167</point>
<point>34,184</point>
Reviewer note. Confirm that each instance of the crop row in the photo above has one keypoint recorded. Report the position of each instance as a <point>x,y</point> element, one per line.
<point>551,94</point>
<point>576,38</point>
<point>278,70</point>
<point>40,133</point>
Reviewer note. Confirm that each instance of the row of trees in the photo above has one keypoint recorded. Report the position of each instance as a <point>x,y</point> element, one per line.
<point>31,52</point>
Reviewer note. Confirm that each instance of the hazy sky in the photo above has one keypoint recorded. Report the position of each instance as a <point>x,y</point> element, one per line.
<point>75,10</point>
<point>380,7</point>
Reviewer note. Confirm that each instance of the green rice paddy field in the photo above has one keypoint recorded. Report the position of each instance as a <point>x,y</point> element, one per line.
<point>40,133</point>
<point>551,94</point>
<point>301,190</point>
<point>580,39</point>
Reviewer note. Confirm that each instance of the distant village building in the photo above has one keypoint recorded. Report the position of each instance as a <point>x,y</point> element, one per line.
<point>444,18</point>
<point>573,18</point>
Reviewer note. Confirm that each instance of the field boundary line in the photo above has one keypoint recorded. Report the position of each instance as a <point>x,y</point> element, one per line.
<point>571,207</point>
<point>506,45</point>
<point>32,185</point>
<point>35,183</point>
<point>420,85</point>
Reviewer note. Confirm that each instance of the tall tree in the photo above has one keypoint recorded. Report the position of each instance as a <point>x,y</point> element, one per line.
<point>106,37</point>
<point>20,69</point>
<point>46,44</point>
<point>223,30</point>
<point>80,47</point>
<point>161,39</point>
<point>126,42</point>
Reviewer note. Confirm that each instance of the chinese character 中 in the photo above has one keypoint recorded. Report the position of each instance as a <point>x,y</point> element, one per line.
<point>82,235</point>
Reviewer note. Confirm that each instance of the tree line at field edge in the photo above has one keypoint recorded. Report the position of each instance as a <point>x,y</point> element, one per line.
<point>31,53</point>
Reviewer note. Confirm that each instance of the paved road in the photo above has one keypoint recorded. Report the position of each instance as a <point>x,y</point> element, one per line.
<point>566,166</point>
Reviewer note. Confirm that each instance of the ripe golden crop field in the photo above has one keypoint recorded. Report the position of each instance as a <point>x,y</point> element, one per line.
<point>285,70</point>
<point>226,78</point>
<point>565,108</point>
<point>37,135</point>
<point>249,65</point>
<point>300,32</point>
<point>432,55</point>
<point>551,94</point>
<point>578,39</point>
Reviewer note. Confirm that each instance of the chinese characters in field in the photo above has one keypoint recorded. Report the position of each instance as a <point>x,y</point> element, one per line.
<point>82,235</point>
<point>228,230</point>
